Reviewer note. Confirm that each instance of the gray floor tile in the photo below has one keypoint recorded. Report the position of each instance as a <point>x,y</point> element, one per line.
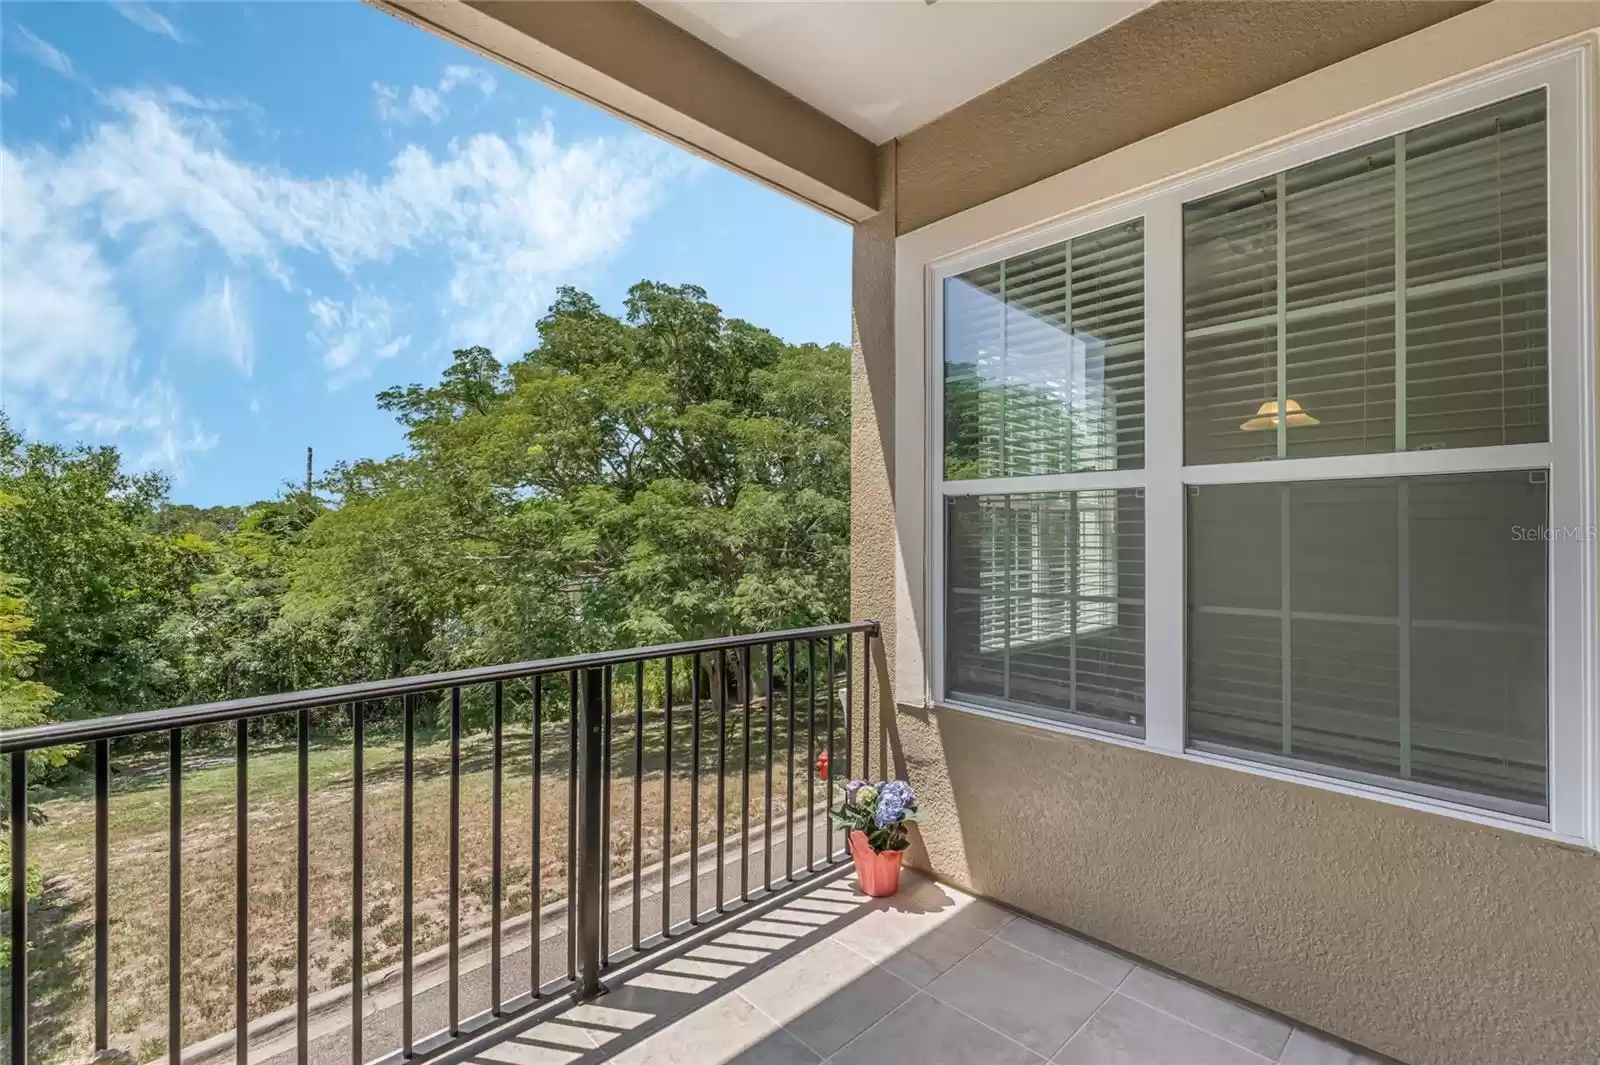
<point>925,1031</point>
<point>1125,1032</point>
<point>1307,1049</point>
<point>1220,1016</point>
<point>1098,964</point>
<point>919,934</point>
<point>826,995</point>
<point>726,1031</point>
<point>1033,1001</point>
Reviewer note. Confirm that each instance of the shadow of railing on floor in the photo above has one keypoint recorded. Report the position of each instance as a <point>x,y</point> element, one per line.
<point>674,985</point>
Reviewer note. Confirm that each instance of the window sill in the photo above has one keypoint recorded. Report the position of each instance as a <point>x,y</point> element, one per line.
<point>1419,803</point>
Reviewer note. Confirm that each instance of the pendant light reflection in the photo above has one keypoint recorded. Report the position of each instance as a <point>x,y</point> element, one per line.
<point>1267,416</point>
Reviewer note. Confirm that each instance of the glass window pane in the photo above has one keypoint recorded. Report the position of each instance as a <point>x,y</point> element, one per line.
<point>1388,627</point>
<point>1044,360</point>
<point>1291,299</point>
<point>1045,604</point>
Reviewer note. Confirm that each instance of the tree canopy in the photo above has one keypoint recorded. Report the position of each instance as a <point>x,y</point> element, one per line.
<point>667,474</point>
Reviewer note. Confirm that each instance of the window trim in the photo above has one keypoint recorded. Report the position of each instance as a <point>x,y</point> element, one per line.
<point>1028,220</point>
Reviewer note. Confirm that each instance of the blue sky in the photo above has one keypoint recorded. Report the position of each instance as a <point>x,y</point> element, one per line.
<point>226,226</point>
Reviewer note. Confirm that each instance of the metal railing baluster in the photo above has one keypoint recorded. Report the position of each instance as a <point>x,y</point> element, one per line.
<point>605,819</point>
<point>358,871</point>
<point>866,706</point>
<point>788,775</point>
<point>766,856</point>
<point>666,806</point>
<point>849,710</point>
<point>408,882</point>
<point>591,822</point>
<point>453,995</point>
<point>638,790</point>
<point>744,778</point>
<point>827,788</point>
<point>18,1041</point>
<point>174,898</point>
<point>102,893</point>
<point>496,846</point>
<point>811,754</point>
<point>535,872</point>
<point>720,698</point>
<point>572,822</point>
<point>694,792</point>
<point>302,934</point>
<point>241,895</point>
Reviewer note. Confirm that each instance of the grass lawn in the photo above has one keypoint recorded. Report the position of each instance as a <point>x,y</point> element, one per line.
<point>63,936</point>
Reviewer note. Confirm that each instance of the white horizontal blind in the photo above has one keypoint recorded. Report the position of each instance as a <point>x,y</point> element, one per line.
<point>1388,298</point>
<point>1045,603</point>
<point>1044,360</point>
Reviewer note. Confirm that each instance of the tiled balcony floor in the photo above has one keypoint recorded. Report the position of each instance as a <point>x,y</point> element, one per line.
<point>930,977</point>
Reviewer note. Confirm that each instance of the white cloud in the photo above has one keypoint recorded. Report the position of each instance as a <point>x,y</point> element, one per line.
<point>46,54</point>
<point>147,18</point>
<point>218,324</point>
<point>487,228</point>
<point>7,89</point>
<point>424,102</point>
<point>68,352</point>
<point>354,337</point>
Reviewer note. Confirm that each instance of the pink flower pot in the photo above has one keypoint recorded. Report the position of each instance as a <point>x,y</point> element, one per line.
<point>877,871</point>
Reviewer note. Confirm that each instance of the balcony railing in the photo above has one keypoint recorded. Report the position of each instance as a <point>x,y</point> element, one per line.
<point>751,681</point>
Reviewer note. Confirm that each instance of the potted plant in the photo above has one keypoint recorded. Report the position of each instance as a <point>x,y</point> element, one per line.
<point>875,816</point>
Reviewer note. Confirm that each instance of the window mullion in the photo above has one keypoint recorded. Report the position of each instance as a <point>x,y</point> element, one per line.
<point>1164,523</point>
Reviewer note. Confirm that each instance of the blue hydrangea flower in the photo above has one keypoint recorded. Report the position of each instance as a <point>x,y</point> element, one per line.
<point>893,798</point>
<point>851,788</point>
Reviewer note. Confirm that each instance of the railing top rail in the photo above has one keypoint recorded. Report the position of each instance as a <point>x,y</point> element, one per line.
<point>142,722</point>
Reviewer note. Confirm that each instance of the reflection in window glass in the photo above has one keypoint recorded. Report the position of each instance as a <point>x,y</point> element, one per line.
<point>1388,627</point>
<point>1045,603</point>
<point>1408,271</point>
<point>1044,360</point>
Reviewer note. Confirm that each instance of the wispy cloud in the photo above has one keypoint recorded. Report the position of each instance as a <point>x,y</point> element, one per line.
<point>428,102</point>
<point>7,89</point>
<point>354,337</point>
<point>69,338</point>
<point>46,54</point>
<point>148,18</point>
<point>487,227</point>
<point>217,324</point>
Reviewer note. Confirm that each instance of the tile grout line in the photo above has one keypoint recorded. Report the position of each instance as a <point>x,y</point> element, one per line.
<point>1206,1031</point>
<point>984,1024</point>
<point>1067,968</point>
<point>739,993</point>
<point>1085,1024</point>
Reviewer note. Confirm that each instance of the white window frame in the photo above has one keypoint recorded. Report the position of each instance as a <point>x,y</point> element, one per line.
<point>1030,219</point>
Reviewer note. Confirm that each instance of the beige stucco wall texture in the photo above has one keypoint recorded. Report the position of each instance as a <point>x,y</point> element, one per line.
<point>1434,940</point>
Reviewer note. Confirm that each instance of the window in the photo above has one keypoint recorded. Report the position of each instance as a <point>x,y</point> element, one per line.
<point>1388,298</point>
<point>1287,465</point>
<point>1044,377</point>
<point>1045,604</point>
<point>1392,628</point>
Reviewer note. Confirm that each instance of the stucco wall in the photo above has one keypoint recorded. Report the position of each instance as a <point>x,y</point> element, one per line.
<point>1421,936</point>
<point>1165,65</point>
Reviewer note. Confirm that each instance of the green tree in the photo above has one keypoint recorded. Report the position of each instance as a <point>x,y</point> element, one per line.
<point>23,702</point>
<point>667,475</point>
